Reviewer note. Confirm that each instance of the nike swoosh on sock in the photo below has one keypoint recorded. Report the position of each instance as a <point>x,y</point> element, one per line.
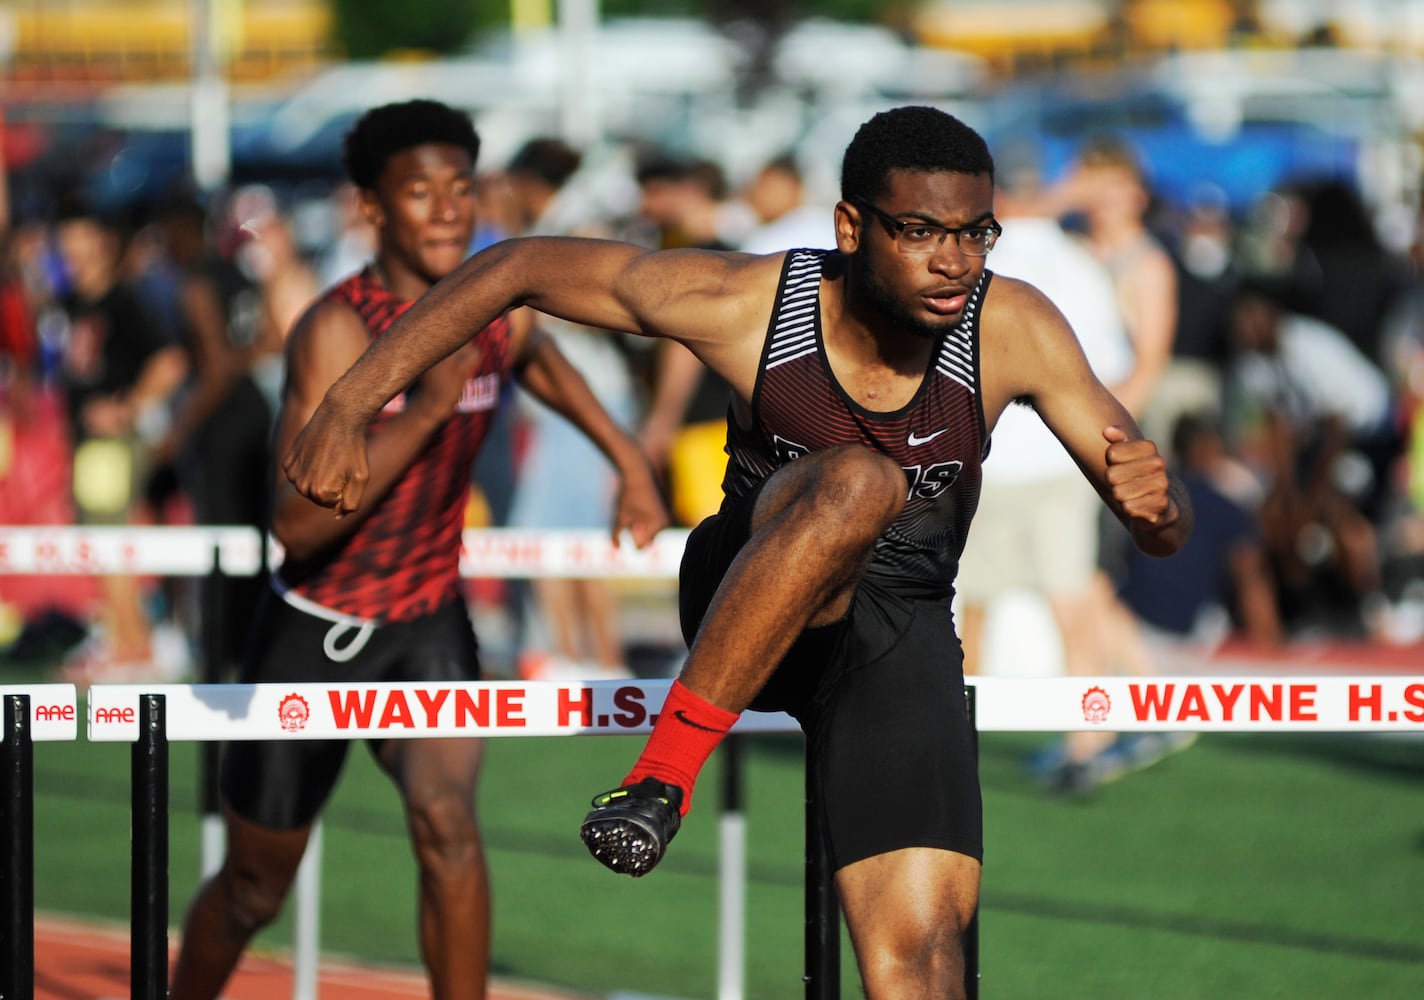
<point>681,716</point>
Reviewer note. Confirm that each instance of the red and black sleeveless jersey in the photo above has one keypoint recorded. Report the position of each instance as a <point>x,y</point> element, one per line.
<point>938,438</point>
<point>403,562</point>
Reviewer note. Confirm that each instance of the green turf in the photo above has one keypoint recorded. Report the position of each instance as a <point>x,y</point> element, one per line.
<point>1245,867</point>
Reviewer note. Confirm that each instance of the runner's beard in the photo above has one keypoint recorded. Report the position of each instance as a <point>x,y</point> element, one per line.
<point>867,288</point>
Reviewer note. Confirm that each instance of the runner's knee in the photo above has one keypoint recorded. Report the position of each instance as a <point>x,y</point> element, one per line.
<point>859,489</point>
<point>253,895</point>
<point>915,954</point>
<point>445,834</point>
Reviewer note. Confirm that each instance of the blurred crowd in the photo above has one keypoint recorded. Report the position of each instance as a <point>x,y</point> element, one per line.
<point>141,363</point>
<point>1277,356</point>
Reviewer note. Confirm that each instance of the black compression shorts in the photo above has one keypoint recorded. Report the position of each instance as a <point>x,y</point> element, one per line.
<point>284,784</point>
<point>881,697</point>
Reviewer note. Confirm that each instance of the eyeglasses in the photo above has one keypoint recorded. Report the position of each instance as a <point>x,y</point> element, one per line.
<point>922,237</point>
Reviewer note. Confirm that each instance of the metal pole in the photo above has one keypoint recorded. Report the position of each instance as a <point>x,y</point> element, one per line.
<point>971,933</point>
<point>212,627</point>
<point>17,852</point>
<point>211,146</point>
<point>732,877</point>
<point>579,112</point>
<point>306,935</point>
<point>148,904</point>
<point>823,917</point>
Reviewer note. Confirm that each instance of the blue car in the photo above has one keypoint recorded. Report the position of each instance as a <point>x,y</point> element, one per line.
<point>1181,158</point>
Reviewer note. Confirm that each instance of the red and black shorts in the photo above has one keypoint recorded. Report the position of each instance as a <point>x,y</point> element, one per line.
<point>284,784</point>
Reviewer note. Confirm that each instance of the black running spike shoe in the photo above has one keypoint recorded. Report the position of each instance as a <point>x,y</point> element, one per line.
<point>630,827</point>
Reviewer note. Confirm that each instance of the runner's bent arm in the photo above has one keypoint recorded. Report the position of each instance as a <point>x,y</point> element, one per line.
<point>717,304</point>
<point>1030,353</point>
<point>324,344</point>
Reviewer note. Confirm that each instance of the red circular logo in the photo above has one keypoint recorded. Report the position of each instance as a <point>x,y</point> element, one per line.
<point>1096,705</point>
<point>293,713</point>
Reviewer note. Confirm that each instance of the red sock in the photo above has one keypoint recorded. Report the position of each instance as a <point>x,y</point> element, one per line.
<point>687,731</point>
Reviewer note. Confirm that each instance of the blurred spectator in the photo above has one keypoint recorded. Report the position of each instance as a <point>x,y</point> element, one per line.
<point>1108,185</point>
<point>785,220</point>
<point>498,210</point>
<point>581,616</point>
<point>1220,581</point>
<point>685,428</point>
<point>1204,255</point>
<point>119,374</point>
<point>1270,238</point>
<point>4,183</point>
<point>1342,273</point>
<point>150,273</point>
<point>1403,554</point>
<point>686,201</point>
<point>1019,542</point>
<point>40,615</point>
<point>354,242</point>
<point>19,340</point>
<point>219,313</point>
<point>1403,341</point>
<point>266,253</point>
<point>1318,415</point>
<point>223,420</point>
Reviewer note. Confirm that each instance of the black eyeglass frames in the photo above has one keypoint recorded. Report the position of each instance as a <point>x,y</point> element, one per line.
<point>923,237</point>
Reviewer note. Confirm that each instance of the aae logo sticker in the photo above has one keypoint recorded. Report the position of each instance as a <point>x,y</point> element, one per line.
<point>54,713</point>
<point>115,714</point>
<point>1096,705</point>
<point>293,713</point>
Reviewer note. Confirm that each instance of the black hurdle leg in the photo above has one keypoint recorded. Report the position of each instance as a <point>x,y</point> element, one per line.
<point>823,914</point>
<point>971,933</point>
<point>148,901</point>
<point>17,852</point>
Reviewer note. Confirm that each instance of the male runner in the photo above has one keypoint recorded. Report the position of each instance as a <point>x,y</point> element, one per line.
<point>376,596</point>
<point>866,381</point>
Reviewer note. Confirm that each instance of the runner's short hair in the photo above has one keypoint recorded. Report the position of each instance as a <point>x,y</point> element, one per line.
<point>384,131</point>
<point>910,138</point>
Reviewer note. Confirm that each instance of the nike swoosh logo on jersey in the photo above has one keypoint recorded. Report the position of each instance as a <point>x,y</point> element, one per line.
<point>915,439</point>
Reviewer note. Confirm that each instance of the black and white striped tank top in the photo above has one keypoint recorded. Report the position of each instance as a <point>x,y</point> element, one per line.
<point>937,438</point>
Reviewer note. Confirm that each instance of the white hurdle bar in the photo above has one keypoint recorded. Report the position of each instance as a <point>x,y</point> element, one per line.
<point>235,550</point>
<point>1391,703</point>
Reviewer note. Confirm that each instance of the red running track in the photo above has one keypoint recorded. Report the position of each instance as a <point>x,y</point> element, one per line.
<point>81,961</point>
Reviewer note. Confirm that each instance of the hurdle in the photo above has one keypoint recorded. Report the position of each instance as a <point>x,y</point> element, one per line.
<point>129,713</point>
<point>1318,703</point>
<point>152,716</point>
<point>32,713</point>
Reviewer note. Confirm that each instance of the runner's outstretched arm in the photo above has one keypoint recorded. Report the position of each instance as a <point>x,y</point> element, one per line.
<point>687,295</point>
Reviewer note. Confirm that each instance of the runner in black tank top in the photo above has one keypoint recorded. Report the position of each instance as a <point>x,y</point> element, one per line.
<point>937,438</point>
<point>822,585</point>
